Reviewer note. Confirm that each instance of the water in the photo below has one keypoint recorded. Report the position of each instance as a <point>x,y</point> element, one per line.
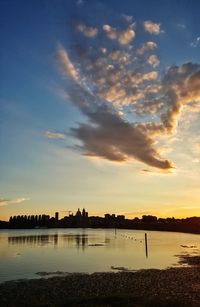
<point>23,253</point>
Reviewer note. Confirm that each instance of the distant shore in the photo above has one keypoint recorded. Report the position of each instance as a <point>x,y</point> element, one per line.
<point>147,222</point>
<point>170,288</point>
<point>142,228</point>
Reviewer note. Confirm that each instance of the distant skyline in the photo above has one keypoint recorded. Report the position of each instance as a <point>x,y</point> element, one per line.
<point>99,107</point>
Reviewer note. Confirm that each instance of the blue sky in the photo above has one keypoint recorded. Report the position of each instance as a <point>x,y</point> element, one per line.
<point>42,167</point>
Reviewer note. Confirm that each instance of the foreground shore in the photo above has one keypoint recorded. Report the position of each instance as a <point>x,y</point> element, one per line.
<point>170,287</point>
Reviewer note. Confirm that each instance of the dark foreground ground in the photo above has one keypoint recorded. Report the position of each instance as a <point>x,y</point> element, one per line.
<point>172,287</point>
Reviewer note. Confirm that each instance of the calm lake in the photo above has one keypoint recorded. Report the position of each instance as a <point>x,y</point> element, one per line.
<point>23,253</point>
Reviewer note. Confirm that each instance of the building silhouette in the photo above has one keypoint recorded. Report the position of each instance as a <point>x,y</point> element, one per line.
<point>56,216</point>
<point>78,213</point>
<point>82,220</point>
<point>83,214</point>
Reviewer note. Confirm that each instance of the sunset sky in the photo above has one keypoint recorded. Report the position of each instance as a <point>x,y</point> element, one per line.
<point>100,107</point>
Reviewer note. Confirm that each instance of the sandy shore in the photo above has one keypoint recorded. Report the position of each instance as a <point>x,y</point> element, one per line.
<point>170,287</point>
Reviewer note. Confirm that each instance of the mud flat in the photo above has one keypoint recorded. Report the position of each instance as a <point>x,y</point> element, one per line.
<point>171,287</point>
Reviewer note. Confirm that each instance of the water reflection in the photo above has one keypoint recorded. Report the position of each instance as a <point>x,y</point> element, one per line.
<point>98,250</point>
<point>146,246</point>
<point>78,240</point>
<point>71,240</point>
<point>33,239</point>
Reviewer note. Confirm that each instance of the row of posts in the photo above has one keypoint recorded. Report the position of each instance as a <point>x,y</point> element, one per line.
<point>145,241</point>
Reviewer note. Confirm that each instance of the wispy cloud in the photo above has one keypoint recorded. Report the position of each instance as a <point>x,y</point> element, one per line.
<point>66,65</point>
<point>127,18</point>
<point>196,42</point>
<point>54,135</point>
<point>181,26</point>
<point>79,2</point>
<point>6,202</point>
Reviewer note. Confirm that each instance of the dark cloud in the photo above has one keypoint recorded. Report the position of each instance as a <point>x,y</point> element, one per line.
<point>108,136</point>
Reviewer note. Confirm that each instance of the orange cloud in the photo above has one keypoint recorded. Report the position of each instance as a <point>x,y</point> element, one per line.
<point>152,27</point>
<point>6,202</point>
<point>124,36</point>
<point>65,64</point>
<point>87,31</point>
<point>146,47</point>
<point>54,135</point>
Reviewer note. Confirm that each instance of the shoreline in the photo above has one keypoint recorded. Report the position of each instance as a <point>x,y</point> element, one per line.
<point>150,287</point>
<point>108,228</point>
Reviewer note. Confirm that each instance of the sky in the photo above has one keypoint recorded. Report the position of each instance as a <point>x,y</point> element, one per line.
<point>99,107</point>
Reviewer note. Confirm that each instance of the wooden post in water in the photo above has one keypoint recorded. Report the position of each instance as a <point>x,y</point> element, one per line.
<point>146,247</point>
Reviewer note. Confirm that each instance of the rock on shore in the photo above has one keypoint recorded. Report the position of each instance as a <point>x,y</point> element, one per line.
<point>170,287</point>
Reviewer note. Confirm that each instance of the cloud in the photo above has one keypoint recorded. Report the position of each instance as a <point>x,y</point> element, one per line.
<point>65,64</point>
<point>6,202</point>
<point>118,56</point>
<point>181,86</point>
<point>108,136</point>
<point>146,47</point>
<point>152,27</point>
<point>114,139</point>
<point>79,2</point>
<point>196,42</point>
<point>86,30</point>
<point>127,18</point>
<point>146,170</point>
<point>110,32</point>
<point>153,60</point>
<point>54,135</point>
<point>129,105</point>
<point>197,146</point>
<point>119,141</point>
<point>181,26</point>
<point>124,37</point>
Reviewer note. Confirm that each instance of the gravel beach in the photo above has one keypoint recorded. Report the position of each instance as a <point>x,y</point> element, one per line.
<point>170,287</point>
